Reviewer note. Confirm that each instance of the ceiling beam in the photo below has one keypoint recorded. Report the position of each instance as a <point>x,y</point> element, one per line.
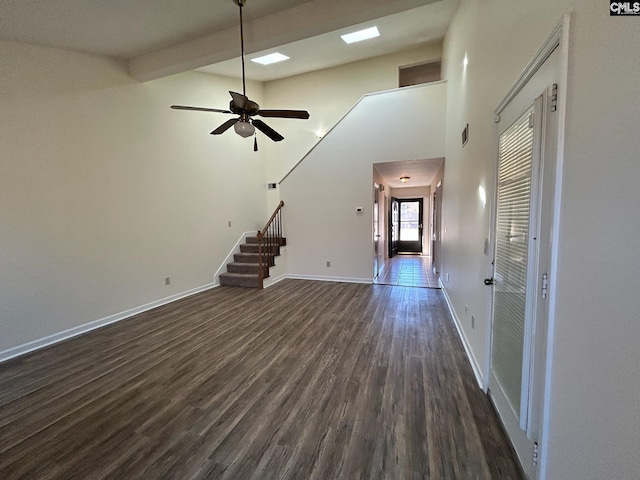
<point>303,21</point>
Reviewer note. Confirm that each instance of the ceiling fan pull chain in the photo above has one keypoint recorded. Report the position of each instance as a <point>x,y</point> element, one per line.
<point>255,143</point>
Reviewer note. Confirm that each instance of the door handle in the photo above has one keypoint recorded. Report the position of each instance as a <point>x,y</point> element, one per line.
<point>489,281</point>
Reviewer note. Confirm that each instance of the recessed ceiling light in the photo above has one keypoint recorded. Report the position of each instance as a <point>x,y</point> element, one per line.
<point>365,34</point>
<point>271,58</point>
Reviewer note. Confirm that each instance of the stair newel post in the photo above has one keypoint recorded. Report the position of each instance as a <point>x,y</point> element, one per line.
<point>260,266</point>
<point>279,225</point>
<point>270,250</point>
<point>268,245</point>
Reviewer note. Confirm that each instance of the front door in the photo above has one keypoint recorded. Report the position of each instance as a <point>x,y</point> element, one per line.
<point>410,222</point>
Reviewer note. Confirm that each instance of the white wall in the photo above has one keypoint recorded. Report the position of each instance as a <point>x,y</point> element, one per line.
<point>323,191</point>
<point>327,94</point>
<point>593,404</point>
<point>105,191</point>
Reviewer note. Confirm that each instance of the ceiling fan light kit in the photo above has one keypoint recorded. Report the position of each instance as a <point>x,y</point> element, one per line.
<point>244,128</point>
<point>244,125</point>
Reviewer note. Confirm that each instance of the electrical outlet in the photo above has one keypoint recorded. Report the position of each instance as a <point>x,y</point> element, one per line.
<point>167,280</point>
<point>328,264</point>
<point>447,277</point>
<point>229,222</point>
<point>466,309</point>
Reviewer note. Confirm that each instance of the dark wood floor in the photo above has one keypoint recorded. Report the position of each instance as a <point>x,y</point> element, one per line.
<point>304,380</point>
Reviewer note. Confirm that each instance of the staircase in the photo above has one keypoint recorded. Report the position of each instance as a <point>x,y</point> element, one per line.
<point>251,266</point>
<point>244,271</point>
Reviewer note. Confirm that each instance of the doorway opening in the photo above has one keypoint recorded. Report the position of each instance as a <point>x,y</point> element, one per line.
<point>402,219</point>
<point>405,224</point>
<point>410,225</point>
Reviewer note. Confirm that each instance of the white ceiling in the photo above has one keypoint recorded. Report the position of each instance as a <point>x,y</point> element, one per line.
<point>124,28</point>
<point>164,37</point>
<point>400,31</point>
<point>421,172</point>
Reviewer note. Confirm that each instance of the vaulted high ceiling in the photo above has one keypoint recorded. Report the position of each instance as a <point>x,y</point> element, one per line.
<point>164,37</point>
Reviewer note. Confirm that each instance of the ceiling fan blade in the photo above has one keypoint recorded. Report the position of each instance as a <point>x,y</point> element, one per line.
<point>301,114</point>
<point>199,109</point>
<point>240,100</point>
<point>225,126</point>
<point>267,130</point>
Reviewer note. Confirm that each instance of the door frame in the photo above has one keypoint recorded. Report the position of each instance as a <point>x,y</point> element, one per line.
<point>420,201</point>
<point>378,226</point>
<point>436,226</point>
<point>542,333</point>
<point>393,244</point>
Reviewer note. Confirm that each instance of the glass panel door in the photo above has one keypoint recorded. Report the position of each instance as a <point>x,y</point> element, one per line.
<point>410,220</point>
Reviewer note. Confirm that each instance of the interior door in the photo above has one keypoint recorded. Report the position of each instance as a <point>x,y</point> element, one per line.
<point>411,227</point>
<point>394,226</point>
<point>526,155</point>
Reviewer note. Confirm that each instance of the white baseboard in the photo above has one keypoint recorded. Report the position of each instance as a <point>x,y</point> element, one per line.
<point>475,366</point>
<point>331,279</point>
<point>87,327</point>
<point>271,281</point>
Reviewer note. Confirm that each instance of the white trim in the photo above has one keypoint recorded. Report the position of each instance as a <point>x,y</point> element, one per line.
<point>331,279</point>
<point>87,327</point>
<point>501,404</point>
<point>473,361</point>
<point>234,250</point>
<point>269,282</point>
<point>555,241</point>
<point>532,67</point>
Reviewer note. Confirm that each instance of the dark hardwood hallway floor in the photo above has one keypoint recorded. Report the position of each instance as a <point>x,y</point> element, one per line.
<point>303,380</point>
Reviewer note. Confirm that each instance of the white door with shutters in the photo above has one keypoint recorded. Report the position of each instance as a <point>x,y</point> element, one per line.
<point>524,194</point>
<point>512,290</point>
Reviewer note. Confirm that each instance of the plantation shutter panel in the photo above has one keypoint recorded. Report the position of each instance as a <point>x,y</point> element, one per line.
<point>515,157</point>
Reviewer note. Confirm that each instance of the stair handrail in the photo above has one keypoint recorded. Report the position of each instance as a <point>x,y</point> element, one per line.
<point>269,239</point>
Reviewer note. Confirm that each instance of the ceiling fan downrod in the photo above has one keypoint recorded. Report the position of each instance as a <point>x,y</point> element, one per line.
<point>240,4</point>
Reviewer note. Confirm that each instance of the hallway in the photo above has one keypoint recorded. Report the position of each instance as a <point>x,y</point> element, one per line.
<point>408,271</point>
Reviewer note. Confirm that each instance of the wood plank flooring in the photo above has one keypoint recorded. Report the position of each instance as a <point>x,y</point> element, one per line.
<point>304,380</point>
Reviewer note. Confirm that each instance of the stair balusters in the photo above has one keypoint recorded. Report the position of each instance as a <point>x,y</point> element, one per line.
<point>269,242</point>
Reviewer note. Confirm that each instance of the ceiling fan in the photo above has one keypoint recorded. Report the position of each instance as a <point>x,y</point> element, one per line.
<point>245,125</point>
